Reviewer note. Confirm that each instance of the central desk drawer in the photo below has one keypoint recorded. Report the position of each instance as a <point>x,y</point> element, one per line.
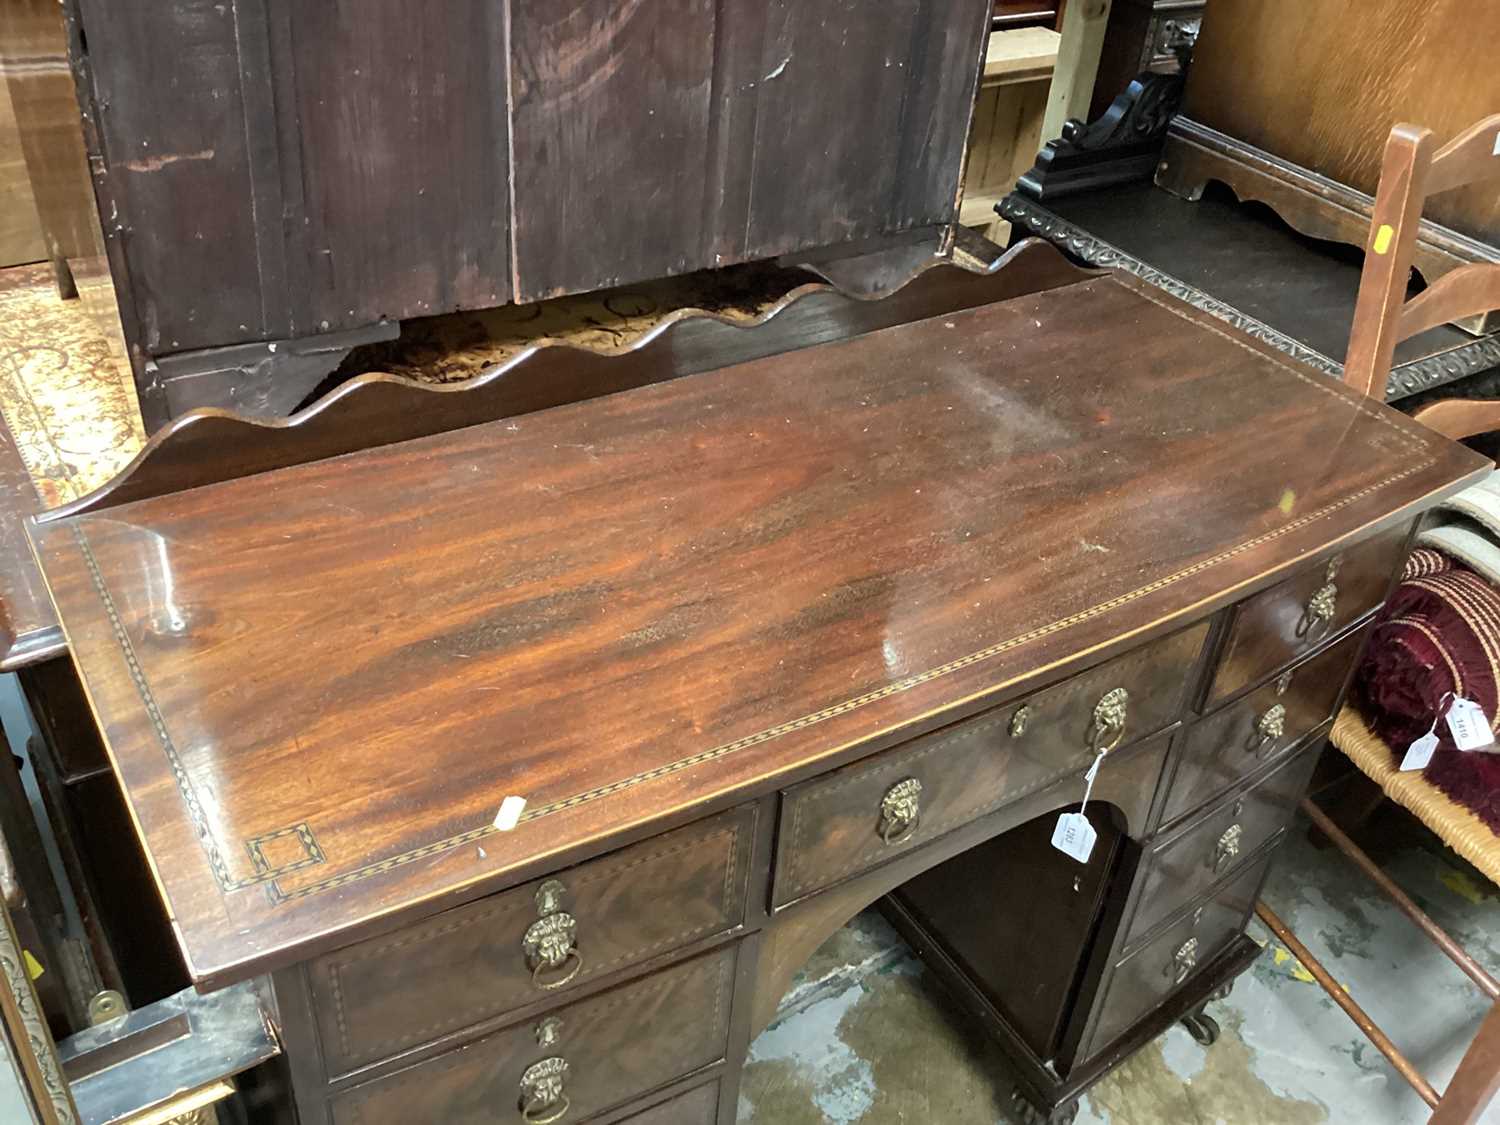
<point>569,1064</point>
<point>1240,738</point>
<point>865,813</point>
<point>479,961</point>
<point>1184,866</point>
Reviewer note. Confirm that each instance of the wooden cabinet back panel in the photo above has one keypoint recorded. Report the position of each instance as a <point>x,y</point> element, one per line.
<point>836,825</point>
<point>1187,864</point>
<point>1293,617</point>
<point>468,964</point>
<point>1240,738</point>
<point>616,1046</point>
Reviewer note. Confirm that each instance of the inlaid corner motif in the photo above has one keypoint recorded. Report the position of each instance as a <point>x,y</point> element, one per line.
<point>284,851</point>
<point>295,848</point>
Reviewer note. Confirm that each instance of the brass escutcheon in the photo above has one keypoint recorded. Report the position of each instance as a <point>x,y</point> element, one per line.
<point>542,1098</point>
<point>1318,614</point>
<point>549,897</point>
<point>550,944</point>
<point>1019,720</point>
<point>1269,729</point>
<point>549,1032</point>
<point>900,811</point>
<point>1227,847</point>
<point>1108,726</point>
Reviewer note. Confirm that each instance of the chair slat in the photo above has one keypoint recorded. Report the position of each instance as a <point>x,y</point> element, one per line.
<point>1467,291</point>
<point>1471,156</point>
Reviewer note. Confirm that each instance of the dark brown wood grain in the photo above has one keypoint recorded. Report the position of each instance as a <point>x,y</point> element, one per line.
<point>403,128</point>
<point>641,609</point>
<point>376,409</point>
<point>1269,631</point>
<point>375,999</point>
<point>1180,867</point>
<point>832,827</point>
<point>1139,983</point>
<point>696,1107</point>
<point>1232,743</point>
<point>618,1045</point>
<point>289,170</point>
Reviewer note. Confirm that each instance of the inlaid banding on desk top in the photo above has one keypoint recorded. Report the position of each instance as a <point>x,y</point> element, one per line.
<point>632,604</point>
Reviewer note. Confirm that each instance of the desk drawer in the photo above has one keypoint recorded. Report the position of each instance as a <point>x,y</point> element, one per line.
<point>696,1107</point>
<point>1241,737</point>
<point>865,813</point>
<point>1291,618</point>
<point>1148,976</point>
<point>1185,865</point>
<point>595,1054</point>
<point>473,963</point>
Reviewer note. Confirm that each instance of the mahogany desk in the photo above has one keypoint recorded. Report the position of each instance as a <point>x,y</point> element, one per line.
<point>757,647</point>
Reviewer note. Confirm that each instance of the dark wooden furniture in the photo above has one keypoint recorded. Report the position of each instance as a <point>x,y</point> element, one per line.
<point>1243,265</point>
<point>1290,106</point>
<point>1144,37</point>
<point>288,181</point>
<point>756,647</point>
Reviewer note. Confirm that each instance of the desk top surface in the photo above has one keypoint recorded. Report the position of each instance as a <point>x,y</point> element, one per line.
<point>319,684</point>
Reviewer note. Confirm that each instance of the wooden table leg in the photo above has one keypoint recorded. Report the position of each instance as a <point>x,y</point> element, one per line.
<point>1477,1079</point>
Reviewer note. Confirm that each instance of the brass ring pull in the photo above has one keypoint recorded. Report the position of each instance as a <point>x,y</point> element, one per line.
<point>1184,959</point>
<point>1110,714</point>
<point>1227,848</point>
<point>1270,727</point>
<point>900,811</point>
<point>542,1098</point>
<point>550,943</point>
<point>573,958</point>
<point>1318,613</point>
<point>547,1114</point>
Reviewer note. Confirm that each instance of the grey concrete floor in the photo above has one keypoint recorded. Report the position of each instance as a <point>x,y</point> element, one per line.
<point>867,1035</point>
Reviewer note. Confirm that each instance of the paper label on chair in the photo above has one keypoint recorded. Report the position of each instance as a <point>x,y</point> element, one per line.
<point>1074,836</point>
<point>1419,753</point>
<point>1471,730</point>
<point>1496,151</point>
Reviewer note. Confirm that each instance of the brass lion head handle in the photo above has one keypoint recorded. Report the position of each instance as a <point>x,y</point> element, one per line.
<point>543,1099</point>
<point>1108,725</point>
<point>1268,730</point>
<point>551,942</point>
<point>900,811</point>
<point>1318,613</point>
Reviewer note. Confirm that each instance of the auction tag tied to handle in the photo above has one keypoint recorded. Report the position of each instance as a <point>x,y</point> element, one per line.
<point>1074,836</point>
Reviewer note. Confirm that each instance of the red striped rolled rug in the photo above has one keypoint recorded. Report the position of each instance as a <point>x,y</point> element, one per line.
<point>1439,637</point>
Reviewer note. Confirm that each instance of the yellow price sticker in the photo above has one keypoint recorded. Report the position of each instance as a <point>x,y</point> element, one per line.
<point>1383,238</point>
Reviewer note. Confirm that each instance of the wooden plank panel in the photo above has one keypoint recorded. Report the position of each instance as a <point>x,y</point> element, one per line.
<point>830,88</point>
<point>20,230</point>
<point>1332,78</point>
<point>611,125</point>
<point>175,169</point>
<point>404,154</point>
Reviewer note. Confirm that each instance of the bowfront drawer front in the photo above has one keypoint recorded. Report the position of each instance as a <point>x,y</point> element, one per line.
<point>865,813</point>
<point>573,1062</point>
<point>1296,615</point>
<point>1240,738</point>
<point>1148,976</point>
<point>1185,865</point>
<point>696,1107</point>
<point>479,961</point>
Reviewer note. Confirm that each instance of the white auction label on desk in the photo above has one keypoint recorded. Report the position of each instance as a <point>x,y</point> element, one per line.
<point>1074,836</point>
